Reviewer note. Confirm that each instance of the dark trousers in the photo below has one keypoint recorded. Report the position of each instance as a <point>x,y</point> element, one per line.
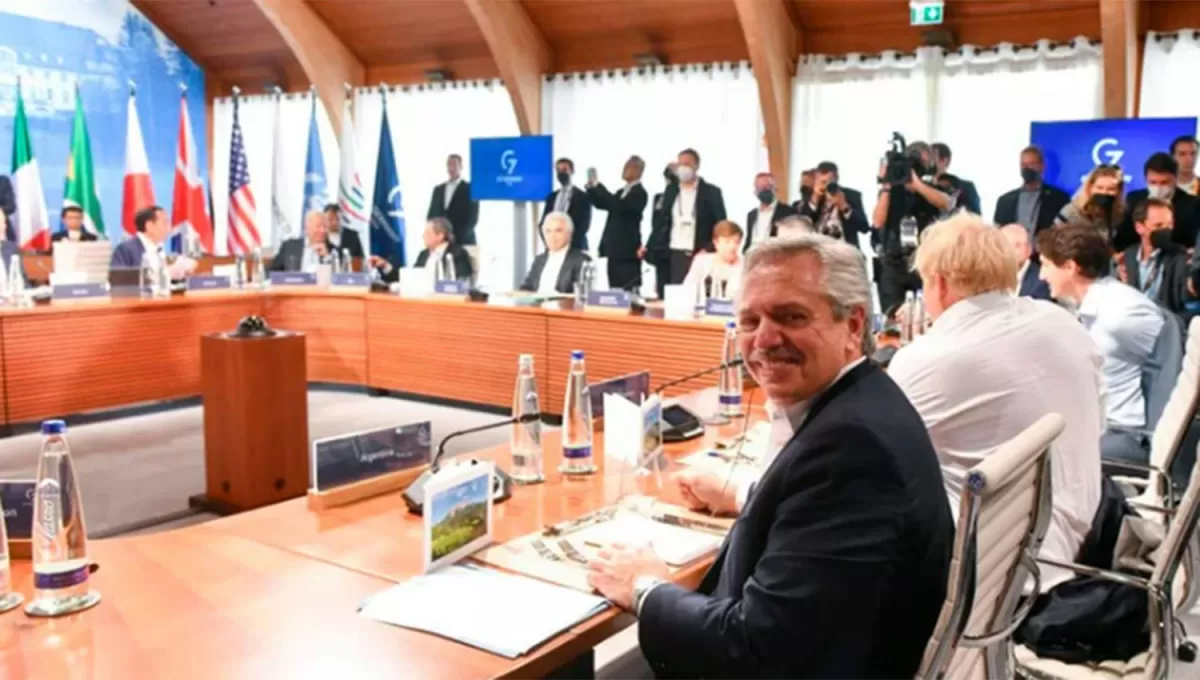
<point>1119,445</point>
<point>895,279</point>
<point>678,264</point>
<point>624,274</point>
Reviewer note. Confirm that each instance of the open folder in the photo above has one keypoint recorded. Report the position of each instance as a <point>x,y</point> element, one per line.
<point>494,611</point>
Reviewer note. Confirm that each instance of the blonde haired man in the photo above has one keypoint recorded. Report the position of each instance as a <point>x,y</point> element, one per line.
<point>992,364</point>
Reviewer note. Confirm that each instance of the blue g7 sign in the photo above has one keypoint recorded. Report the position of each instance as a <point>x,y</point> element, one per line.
<point>1074,148</point>
<point>512,168</point>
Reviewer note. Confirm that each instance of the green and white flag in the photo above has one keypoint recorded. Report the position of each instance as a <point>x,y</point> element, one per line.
<point>33,220</point>
<point>81,174</point>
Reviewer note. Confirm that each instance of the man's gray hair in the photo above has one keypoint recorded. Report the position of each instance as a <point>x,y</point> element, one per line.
<point>562,216</point>
<point>797,221</point>
<point>442,226</point>
<point>843,273</point>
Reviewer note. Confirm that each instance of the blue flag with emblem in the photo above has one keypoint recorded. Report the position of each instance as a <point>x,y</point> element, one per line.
<point>314,169</point>
<point>387,208</point>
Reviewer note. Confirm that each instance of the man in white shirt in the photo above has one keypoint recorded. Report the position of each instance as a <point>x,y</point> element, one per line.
<point>992,364</point>
<point>761,223</point>
<point>690,211</point>
<point>556,270</point>
<point>1122,322</point>
<point>153,228</point>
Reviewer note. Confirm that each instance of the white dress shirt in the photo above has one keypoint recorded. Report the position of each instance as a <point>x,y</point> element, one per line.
<point>626,189</point>
<point>1124,324</point>
<point>153,252</point>
<point>310,261</point>
<point>334,238</point>
<point>437,258</point>
<point>762,225</point>
<point>74,236</point>
<point>548,284</point>
<point>448,193</point>
<point>562,202</point>
<point>991,366</point>
<point>683,219</point>
<point>707,265</point>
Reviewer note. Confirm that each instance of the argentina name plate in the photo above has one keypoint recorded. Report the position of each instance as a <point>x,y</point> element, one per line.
<point>337,461</point>
<point>17,498</point>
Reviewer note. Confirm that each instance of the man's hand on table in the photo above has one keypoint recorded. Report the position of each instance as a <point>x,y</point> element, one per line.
<point>618,567</point>
<point>706,490</point>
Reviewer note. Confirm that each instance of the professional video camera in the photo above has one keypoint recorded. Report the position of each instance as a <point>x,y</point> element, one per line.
<point>901,163</point>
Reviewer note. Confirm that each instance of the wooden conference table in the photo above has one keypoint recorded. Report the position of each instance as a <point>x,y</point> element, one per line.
<point>62,359</point>
<point>272,593</point>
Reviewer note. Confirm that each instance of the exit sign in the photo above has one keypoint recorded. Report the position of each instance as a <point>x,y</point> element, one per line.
<point>926,12</point>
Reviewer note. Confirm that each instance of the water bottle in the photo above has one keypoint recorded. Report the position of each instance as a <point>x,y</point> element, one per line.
<point>260,270</point>
<point>148,278</point>
<point>239,272</point>
<point>907,312</point>
<point>163,278</point>
<point>919,318</point>
<point>335,261</point>
<point>526,440</point>
<point>584,286</point>
<point>8,599</point>
<point>729,387</point>
<point>60,559</point>
<point>577,421</point>
<point>16,283</point>
<point>347,261</point>
<point>908,232</point>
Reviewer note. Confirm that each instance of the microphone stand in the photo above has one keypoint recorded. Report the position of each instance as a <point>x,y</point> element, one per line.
<point>414,495</point>
<point>690,425</point>
<point>699,374</point>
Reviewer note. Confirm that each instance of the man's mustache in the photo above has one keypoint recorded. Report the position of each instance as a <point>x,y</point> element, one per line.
<point>782,354</point>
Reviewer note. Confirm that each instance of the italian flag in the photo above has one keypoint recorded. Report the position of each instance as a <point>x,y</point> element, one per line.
<point>139,193</point>
<point>33,221</point>
<point>81,174</point>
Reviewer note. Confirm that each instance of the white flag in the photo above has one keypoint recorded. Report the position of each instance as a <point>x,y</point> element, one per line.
<point>281,228</point>
<point>352,204</point>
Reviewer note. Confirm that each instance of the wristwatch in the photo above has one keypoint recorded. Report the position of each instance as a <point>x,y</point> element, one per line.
<point>641,588</point>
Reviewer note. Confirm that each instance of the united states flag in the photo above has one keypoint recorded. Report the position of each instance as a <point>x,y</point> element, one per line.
<point>243,234</point>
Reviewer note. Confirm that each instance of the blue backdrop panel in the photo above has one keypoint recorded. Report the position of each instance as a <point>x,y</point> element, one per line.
<point>1074,148</point>
<point>512,168</point>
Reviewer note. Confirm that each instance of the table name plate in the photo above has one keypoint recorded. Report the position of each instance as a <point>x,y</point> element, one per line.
<point>351,279</point>
<point>208,282</point>
<point>609,299</point>
<point>17,498</point>
<point>293,279</point>
<point>718,307</point>
<point>450,287</point>
<point>79,291</point>
<point>338,461</point>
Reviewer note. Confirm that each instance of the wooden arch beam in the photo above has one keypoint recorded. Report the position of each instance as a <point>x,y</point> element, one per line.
<point>327,62</point>
<point>771,39</point>
<point>521,54</point>
<point>1119,25</point>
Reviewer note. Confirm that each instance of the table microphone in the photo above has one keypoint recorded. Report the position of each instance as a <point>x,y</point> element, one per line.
<point>414,495</point>
<point>700,374</point>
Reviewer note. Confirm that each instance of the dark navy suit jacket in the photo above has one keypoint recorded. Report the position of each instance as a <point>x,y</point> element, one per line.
<point>1032,285</point>
<point>836,567</point>
<point>128,254</point>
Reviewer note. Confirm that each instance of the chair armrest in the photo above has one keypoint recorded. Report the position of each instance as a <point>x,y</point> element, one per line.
<point>1169,496</point>
<point>1152,508</point>
<point>1019,616</point>
<point>1106,574</point>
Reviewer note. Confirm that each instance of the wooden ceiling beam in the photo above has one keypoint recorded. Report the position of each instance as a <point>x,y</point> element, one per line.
<point>328,64</point>
<point>772,40</point>
<point>1119,21</point>
<point>521,53</point>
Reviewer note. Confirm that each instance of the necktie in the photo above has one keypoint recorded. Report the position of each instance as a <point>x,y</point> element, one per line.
<point>564,199</point>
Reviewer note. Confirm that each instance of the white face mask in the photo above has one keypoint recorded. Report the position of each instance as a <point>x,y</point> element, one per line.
<point>686,173</point>
<point>1160,192</point>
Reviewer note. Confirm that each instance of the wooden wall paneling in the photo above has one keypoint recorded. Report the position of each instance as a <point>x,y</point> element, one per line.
<point>68,360</point>
<point>771,39</point>
<point>617,345</point>
<point>453,349</point>
<point>1118,23</point>
<point>521,55</point>
<point>335,330</point>
<point>328,64</point>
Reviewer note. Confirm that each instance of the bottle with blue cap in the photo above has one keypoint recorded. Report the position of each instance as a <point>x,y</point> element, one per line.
<point>729,387</point>
<point>577,421</point>
<point>60,559</point>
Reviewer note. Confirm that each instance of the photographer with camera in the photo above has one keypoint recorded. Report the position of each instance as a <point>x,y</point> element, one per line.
<point>835,210</point>
<point>907,205</point>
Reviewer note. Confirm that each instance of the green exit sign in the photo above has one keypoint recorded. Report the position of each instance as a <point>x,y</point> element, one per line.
<point>926,12</point>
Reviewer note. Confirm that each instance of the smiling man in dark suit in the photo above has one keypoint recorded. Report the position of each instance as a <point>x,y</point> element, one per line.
<point>622,237</point>
<point>837,563</point>
<point>571,200</point>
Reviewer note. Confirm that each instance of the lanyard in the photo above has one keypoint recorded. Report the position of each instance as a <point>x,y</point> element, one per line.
<point>679,203</point>
<point>1147,282</point>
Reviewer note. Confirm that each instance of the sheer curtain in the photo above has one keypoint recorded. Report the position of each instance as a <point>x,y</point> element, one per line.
<point>600,119</point>
<point>1169,68</point>
<point>428,123</point>
<point>270,124</point>
<point>985,99</point>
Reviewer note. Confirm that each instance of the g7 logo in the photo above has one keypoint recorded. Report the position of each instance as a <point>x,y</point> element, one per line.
<point>508,161</point>
<point>1112,157</point>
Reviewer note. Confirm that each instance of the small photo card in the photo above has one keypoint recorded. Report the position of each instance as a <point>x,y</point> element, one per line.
<point>458,513</point>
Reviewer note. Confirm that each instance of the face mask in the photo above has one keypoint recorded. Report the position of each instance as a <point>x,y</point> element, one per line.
<point>564,178</point>
<point>686,173</point>
<point>1030,175</point>
<point>1160,192</point>
<point>766,196</point>
<point>1160,239</point>
<point>1103,201</point>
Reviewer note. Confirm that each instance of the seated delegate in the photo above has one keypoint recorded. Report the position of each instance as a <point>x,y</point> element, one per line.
<point>303,254</point>
<point>147,245</point>
<point>445,259</point>
<point>837,563</point>
<point>558,269</point>
<point>993,364</point>
<point>1122,322</point>
<point>719,274</point>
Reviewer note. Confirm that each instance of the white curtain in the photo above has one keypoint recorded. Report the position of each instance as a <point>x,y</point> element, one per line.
<point>1169,69</point>
<point>265,119</point>
<point>428,123</point>
<point>600,119</point>
<point>979,102</point>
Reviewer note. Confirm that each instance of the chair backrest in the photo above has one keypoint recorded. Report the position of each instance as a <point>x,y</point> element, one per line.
<point>1003,515</point>
<point>1179,409</point>
<point>1160,372</point>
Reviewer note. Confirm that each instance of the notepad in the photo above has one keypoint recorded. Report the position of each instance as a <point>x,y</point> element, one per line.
<point>675,545</point>
<point>501,613</point>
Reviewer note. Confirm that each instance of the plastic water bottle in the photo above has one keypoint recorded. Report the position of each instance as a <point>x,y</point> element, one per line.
<point>16,283</point>
<point>148,278</point>
<point>8,599</point>
<point>347,261</point>
<point>526,440</point>
<point>577,421</point>
<point>919,318</point>
<point>729,388</point>
<point>60,559</point>
<point>239,272</point>
<point>162,272</point>
<point>907,312</point>
<point>584,286</point>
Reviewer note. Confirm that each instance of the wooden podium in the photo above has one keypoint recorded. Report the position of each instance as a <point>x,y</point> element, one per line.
<point>255,392</point>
